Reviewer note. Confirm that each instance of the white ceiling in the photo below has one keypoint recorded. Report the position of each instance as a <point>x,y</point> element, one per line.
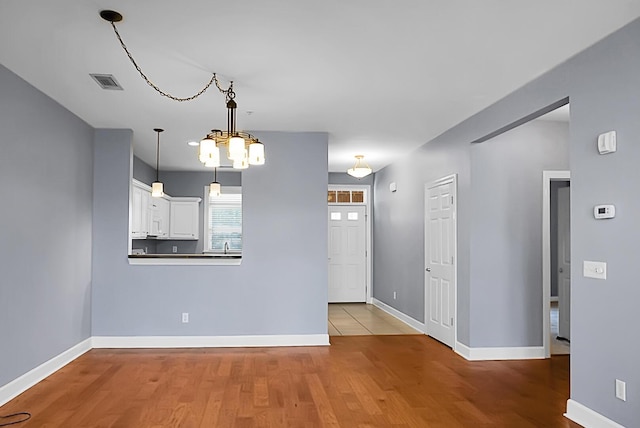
<point>381,77</point>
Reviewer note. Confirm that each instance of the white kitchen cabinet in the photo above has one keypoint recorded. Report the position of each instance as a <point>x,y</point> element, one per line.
<point>140,211</point>
<point>184,218</point>
<point>160,214</point>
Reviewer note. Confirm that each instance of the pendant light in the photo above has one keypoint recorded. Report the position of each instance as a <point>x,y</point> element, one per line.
<point>214,187</point>
<point>360,169</point>
<point>157,188</point>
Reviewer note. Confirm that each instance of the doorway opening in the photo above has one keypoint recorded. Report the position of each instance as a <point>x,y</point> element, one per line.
<point>349,244</point>
<point>556,259</point>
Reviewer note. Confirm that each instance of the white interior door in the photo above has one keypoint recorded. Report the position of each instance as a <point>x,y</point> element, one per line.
<point>347,254</point>
<point>564,263</point>
<point>440,247</point>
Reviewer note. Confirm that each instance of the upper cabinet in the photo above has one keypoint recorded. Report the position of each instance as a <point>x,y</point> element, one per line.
<point>160,214</point>
<point>140,212</point>
<point>184,218</point>
<point>163,218</point>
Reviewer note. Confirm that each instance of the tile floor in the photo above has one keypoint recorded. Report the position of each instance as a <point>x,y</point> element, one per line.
<point>358,319</point>
<point>558,347</point>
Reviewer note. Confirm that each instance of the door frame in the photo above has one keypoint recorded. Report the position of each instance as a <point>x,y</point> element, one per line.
<point>547,178</point>
<point>367,229</point>
<point>453,178</point>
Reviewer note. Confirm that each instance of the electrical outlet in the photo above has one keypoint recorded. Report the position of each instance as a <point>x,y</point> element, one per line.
<point>394,295</point>
<point>185,317</point>
<point>621,390</point>
<point>175,249</point>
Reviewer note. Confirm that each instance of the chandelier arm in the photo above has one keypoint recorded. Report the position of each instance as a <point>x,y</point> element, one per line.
<point>214,78</point>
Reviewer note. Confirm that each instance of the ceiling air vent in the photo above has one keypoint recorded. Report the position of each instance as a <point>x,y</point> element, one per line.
<point>106,81</point>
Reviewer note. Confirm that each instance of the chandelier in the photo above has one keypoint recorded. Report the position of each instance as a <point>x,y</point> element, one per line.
<point>242,148</point>
<point>360,169</point>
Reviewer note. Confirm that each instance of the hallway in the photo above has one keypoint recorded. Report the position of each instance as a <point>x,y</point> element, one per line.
<point>361,319</point>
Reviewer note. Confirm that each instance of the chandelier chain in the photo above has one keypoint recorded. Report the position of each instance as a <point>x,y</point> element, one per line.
<point>214,79</point>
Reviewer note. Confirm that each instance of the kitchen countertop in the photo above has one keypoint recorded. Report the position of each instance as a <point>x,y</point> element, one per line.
<point>185,259</point>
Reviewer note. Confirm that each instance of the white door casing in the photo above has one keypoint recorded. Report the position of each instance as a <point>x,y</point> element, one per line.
<point>564,263</point>
<point>440,260</point>
<point>347,253</point>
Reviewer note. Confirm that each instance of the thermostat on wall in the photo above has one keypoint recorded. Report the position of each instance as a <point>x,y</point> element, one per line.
<point>604,211</point>
<point>607,142</point>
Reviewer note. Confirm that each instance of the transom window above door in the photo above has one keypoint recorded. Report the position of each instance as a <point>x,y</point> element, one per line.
<point>346,196</point>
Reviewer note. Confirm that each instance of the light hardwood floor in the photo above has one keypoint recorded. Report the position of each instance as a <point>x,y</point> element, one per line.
<point>357,319</point>
<point>357,382</point>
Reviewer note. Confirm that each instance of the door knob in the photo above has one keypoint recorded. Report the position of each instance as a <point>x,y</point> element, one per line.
<point>561,270</point>
<point>428,269</point>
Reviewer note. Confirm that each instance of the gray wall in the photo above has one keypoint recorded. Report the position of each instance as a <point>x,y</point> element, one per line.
<point>345,179</point>
<point>281,285</point>
<point>506,241</point>
<point>143,172</point>
<point>603,85</point>
<point>45,227</point>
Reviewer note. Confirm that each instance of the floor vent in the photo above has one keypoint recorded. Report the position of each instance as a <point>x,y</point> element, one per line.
<point>106,81</point>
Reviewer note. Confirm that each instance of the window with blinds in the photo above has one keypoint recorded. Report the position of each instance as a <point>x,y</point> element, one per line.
<point>224,223</point>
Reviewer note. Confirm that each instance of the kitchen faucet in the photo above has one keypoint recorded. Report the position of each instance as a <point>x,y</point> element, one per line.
<point>226,247</point>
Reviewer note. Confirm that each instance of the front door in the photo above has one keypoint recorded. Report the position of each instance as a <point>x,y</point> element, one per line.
<point>440,264</point>
<point>347,254</point>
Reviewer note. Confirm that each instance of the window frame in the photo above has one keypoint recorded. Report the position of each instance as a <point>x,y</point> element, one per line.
<point>207,212</point>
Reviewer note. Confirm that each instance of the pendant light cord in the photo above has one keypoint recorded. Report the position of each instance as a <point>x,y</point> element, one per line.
<point>158,157</point>
<point>214,78</point>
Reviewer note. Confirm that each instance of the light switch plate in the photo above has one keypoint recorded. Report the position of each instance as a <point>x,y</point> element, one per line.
<point>597,270</point>
<point>621,390</point>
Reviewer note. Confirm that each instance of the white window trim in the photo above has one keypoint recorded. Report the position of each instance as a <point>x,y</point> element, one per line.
<point>207,232</point>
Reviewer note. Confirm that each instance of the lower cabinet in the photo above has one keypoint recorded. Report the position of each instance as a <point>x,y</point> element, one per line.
<point>184,218</point>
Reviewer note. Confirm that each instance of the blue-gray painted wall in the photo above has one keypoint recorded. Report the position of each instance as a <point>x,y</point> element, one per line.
<point>603,86</point>
<point>46,171</point>
<point>506,243</point>
<point>143,172</point>
<point>280,287</point>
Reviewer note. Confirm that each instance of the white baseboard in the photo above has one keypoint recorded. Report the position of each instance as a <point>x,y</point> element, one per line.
<point>209,341</point>
<point>399,315</point>
<point>588,418</point>
<point>16,387</point>
<point>510,353</point>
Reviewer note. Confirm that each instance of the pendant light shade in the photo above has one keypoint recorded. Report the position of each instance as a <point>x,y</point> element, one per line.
<point>256,153</point>
<point>242,163</point>
<point>209,153</point>
<point>360,169</point>
<point>214,187</point>
<point>236,148</point>
<point>157,188</point>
